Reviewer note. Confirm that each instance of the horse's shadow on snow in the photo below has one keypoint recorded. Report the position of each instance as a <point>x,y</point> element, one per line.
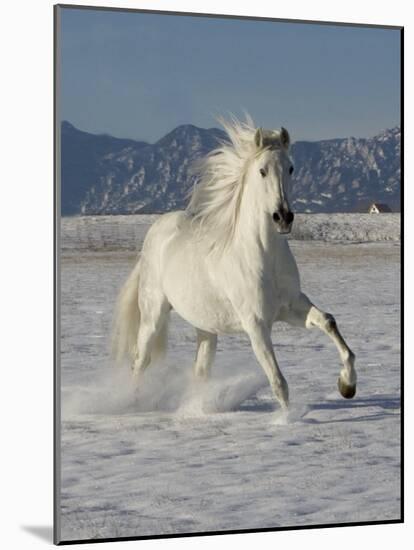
<point>377,408</point>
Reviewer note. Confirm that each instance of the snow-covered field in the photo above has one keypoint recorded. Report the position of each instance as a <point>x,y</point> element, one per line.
<point>177,457</point>
<point>126,232</point>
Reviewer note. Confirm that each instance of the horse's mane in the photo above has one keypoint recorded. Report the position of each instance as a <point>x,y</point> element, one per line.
<point>215,201</point>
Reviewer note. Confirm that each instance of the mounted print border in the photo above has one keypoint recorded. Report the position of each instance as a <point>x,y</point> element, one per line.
<point>166,453</point>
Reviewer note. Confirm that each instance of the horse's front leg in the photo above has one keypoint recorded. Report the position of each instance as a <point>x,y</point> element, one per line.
<point>260,339</point>
<point>303,313</point>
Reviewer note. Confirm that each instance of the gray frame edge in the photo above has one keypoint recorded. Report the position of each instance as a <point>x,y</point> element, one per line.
<point>56,280</point>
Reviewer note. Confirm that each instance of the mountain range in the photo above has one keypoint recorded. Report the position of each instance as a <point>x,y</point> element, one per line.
<point>101,174</point>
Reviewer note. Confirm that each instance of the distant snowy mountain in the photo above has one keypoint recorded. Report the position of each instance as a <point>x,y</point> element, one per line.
<point>82,162</point>
<point>106,175</point>
<point>149,179</point>
<point>346,175</point>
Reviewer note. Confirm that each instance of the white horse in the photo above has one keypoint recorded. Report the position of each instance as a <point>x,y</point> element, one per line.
<point>225,264</point>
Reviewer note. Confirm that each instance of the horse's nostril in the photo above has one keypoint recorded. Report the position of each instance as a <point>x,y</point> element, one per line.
<point>276,216</point>
<point>289,217</point>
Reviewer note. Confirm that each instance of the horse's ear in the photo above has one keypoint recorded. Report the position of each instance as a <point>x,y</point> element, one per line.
<point>284,138</point>
<point>258,138</point>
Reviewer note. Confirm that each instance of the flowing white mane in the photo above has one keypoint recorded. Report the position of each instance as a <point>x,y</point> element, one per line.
<point>215,201</point>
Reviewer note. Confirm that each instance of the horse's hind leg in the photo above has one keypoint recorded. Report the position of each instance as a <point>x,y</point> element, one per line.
<point>304,313</point>
<point>154,318</point>
<point>206,351</point>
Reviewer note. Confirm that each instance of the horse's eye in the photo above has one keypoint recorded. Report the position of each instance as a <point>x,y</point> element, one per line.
<point>291,170</point>
<point>262,172</point>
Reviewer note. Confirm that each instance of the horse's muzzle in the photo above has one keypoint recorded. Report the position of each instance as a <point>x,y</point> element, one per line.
<point>283,219</point>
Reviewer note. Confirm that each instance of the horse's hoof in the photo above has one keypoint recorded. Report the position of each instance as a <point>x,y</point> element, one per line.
<point>346,390</point>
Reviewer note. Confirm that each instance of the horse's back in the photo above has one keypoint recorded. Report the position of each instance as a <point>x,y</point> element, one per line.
<point>169,245</point>
<point>159,234</point>
<point>165,225</point>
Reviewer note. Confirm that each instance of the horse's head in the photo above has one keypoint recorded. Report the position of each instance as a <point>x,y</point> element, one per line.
<point>270,176</point>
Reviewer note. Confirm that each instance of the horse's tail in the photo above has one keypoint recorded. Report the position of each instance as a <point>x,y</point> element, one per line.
<point>127,320</point>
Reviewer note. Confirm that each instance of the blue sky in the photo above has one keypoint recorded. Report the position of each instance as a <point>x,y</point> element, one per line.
<point>140,75</point>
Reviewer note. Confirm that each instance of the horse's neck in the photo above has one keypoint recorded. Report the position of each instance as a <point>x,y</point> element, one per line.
<point>257,239</point>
